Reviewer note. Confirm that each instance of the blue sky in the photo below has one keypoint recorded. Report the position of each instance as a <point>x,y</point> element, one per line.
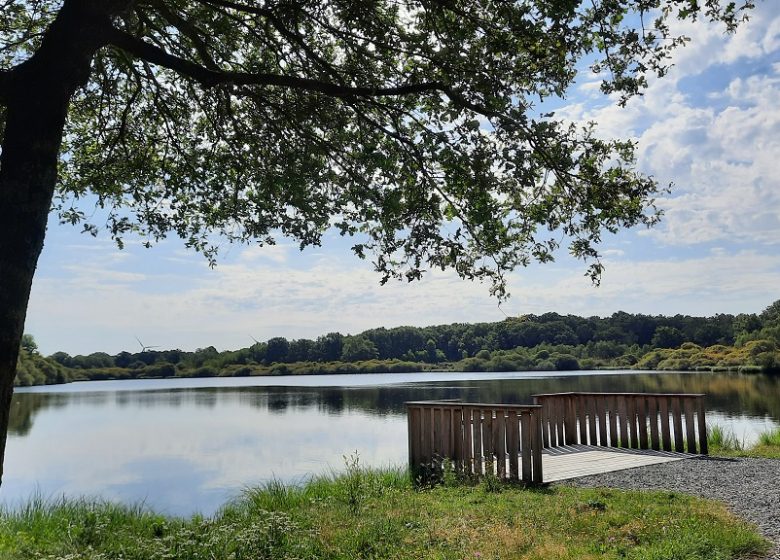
<point>712,126</point>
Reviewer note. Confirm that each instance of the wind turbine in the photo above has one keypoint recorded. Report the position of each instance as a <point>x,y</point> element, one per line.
<point>144,348</point>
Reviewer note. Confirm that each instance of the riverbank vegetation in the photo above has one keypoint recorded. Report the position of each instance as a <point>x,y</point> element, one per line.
<point>724,442</point>
<point>748,343</point>
<point>380,514</point>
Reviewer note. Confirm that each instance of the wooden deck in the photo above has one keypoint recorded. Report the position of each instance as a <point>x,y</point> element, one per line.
<point>572,461</point>
<point>561,436</point>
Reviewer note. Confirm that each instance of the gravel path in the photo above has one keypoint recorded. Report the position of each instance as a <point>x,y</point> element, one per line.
<point>749,487</point>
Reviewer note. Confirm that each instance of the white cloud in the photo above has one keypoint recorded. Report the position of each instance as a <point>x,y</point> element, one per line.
<point>719,148</point>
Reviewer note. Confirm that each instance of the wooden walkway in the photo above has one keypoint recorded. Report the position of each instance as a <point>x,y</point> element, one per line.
<point>572,461</point>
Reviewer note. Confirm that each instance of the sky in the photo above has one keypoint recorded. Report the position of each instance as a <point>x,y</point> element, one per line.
<point>711,127</point>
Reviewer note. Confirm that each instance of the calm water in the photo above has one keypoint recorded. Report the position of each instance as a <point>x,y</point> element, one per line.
<point>182,446</point>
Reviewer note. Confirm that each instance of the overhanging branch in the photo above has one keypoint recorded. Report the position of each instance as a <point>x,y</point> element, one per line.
<point>212,78</point>
<point>189,30</point>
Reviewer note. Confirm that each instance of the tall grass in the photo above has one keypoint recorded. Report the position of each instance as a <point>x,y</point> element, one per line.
<point>720,439</point>
<point>723,442</point>
<point>770,438</point>
<point>382,515</point>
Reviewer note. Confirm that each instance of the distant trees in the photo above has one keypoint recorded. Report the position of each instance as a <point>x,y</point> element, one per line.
<point>549,341</point>
<point>357,348</point>
<point>765,326</point>
<point>667,337</point>
<point>277,349</point>
<point>330,346</point>
<point>770,317</point>
<point>34,369</point>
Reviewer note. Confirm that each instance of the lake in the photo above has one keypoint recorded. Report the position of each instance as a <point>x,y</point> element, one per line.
<point>188,445</point>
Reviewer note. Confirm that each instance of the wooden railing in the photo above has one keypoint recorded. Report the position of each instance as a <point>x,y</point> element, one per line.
<point>632,420</point>
<point>475,439</point>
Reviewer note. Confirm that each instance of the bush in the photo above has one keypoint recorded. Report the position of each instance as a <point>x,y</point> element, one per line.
<point>545,365</point>
<point>163,369</point>
<point>768,361</point>
<point>501,363</point>
<point>542,355</point>
<point>204,371</point>
<point>472,364</point>
<point>566,362</point>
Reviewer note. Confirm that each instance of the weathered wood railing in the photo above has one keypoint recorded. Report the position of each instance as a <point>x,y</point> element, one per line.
<point>476,439</point>
<point>632,420</point>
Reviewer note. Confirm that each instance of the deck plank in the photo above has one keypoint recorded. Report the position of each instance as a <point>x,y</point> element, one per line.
<point>582,460</point>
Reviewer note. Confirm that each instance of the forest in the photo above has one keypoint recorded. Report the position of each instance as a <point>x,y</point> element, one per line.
<point>746,342</point>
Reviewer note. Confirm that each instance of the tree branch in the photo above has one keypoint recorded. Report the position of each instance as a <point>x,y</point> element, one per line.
<point>189,30</point>
<point>212,78</point>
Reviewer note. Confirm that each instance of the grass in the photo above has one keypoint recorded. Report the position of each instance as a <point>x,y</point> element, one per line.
<point>770,439</point>
<point>725,443</point>
<point>768,445</point>
<point>721,441</point>
<point>380,514</point>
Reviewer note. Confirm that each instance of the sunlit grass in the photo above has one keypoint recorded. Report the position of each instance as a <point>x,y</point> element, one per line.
<point>724,442</point>
<point>380,514</point>
<point>770,438</point>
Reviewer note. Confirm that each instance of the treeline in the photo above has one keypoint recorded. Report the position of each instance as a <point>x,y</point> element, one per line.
<point>544,342</point>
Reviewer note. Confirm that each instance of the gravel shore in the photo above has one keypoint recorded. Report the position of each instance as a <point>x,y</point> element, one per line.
<point>749,487</point>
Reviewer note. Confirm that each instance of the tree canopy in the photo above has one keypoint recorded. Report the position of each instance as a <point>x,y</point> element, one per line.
<point>417,126</point>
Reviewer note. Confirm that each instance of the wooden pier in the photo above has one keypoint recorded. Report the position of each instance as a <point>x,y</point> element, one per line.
<point>561,435</point>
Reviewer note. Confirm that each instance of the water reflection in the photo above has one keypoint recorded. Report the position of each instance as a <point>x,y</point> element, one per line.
<point>185,448</point>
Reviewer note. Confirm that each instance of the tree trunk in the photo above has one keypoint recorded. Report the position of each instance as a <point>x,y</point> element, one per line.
<point>37,102</point>
<point>28,170</point>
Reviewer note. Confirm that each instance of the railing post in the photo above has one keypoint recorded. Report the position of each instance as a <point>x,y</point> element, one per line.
<point>412,435</point>
<point>665,432</point>
<point>690,426</point>
<point>569,420</point>
<point>582,419</point>
<point>677,423</point>
<point>702,427</point>
<point>536,445</point>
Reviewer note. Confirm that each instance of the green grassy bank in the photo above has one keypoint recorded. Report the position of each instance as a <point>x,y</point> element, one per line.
<point>725,443</point>
<point>367,514</point>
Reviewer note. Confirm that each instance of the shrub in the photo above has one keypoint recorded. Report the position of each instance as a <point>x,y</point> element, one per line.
<point>500,363</point>
<point>204,371</point>
<point>566,362</point>
<point>472,364</point>
<point>545,365</point>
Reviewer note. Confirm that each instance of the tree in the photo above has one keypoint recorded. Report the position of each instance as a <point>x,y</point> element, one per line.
<point>357,348</point>
<point>770,317</point>
<point>257,119</point>
<point>746,323</point>
<point>28,344</point>
<point>277,349</point>
<point>667,337</point>
<point>329,346</point>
